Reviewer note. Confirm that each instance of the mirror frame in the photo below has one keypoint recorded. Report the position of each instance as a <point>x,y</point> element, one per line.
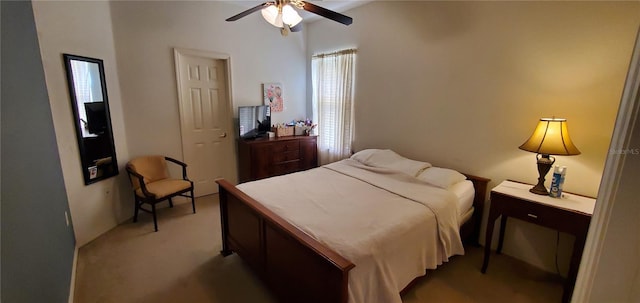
<point>84,156</point>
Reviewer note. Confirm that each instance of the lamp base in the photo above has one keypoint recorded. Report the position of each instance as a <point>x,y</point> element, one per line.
<point>539,189</point>
<point>544,165</point>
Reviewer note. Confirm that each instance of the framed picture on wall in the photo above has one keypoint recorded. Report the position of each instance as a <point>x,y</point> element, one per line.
<point>273,96</point>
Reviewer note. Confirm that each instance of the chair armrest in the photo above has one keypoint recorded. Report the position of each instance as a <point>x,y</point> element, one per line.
<point>143,186</point>
<point>184,166</point>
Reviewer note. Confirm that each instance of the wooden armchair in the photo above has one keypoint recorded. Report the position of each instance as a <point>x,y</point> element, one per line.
<point>151,183</point>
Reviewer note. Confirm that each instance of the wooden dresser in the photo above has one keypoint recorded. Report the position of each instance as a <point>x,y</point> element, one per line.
<point>266,157</point>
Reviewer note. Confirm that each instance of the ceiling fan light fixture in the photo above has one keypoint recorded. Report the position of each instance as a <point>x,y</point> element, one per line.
<point>272,15</point>
<point>282,14</point>
<point>290,16</point>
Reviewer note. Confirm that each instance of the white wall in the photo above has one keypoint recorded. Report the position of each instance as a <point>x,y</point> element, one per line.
<point>145,35</point>
<point>463,84</point>
<point>84,28</point>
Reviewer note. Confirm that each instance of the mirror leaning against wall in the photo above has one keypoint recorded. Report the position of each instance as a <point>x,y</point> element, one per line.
<point>90,106</point>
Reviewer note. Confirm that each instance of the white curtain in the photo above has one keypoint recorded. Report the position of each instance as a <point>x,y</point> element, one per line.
<point>333,79</point>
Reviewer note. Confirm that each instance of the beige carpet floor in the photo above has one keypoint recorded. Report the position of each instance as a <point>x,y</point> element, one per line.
<point>181,263</point>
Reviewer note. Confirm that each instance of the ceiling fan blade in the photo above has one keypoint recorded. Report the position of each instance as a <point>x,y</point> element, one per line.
<point>249,11</point>
<point>338,17</point>
<point>296,28</point>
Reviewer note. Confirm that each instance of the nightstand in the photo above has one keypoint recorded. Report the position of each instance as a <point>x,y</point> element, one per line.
<point>570,214</point>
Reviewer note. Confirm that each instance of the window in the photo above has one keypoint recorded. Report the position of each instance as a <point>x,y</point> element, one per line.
<point>333,82</point>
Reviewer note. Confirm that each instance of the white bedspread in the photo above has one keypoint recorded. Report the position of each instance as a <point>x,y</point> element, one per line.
<point>391,226</point>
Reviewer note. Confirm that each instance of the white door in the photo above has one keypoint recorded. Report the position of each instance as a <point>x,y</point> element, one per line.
<point>205,118</point>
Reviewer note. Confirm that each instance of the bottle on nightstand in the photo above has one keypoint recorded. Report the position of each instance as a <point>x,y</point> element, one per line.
<point>557,182</point>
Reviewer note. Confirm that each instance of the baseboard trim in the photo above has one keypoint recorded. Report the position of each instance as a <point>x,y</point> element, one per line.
<point>72,286</point>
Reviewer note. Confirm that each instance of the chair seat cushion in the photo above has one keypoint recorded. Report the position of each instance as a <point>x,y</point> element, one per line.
<point>153,168</point>
<point>165,187</point>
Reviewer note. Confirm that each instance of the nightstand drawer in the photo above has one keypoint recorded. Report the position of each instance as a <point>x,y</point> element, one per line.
<point>528,211</point>
<point>541,214</point>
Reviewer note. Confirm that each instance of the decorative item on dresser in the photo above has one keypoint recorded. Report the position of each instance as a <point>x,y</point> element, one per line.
<point>266,157</point>
<point>570,214</point>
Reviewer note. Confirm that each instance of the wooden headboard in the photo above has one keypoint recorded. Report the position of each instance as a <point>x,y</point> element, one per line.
<point>470,231</point>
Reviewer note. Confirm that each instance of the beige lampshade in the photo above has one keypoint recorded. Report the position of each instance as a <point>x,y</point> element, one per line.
<point>551,137</point>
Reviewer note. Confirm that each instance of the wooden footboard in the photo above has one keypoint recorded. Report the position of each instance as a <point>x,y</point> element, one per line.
<point>296,267</point>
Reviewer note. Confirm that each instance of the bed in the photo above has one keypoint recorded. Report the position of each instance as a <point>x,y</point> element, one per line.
<point>351,231</point>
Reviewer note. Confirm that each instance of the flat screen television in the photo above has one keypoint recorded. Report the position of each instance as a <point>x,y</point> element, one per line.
<point>254,121</point>
<point>96,117</point>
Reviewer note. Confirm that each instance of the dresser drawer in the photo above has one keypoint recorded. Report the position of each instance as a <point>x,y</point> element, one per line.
<point>286,146</point>
<point>286,167</point>
<point>286,156</point>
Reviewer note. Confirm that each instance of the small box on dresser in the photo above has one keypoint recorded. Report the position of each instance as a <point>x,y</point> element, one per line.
<point>283,131</point>
<point>268,157</point>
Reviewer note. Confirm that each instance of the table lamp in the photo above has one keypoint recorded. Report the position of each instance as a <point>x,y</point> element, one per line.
<point>550,137</point>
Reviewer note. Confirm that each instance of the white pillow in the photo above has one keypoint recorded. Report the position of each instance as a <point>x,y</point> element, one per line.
<point>386,158</point>
<point>441,177</point>
<point>364,155</point>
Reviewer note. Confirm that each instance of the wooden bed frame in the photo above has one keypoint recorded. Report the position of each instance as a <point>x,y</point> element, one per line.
<point>295,266</point>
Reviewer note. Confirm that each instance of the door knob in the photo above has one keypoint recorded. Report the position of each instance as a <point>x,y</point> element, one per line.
<point>224,135</point>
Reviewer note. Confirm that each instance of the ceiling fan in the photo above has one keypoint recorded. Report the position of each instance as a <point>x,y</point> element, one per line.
<point>281,14</point>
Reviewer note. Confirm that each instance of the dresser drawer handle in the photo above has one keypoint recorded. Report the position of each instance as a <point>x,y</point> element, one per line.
<point>532,216</point>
